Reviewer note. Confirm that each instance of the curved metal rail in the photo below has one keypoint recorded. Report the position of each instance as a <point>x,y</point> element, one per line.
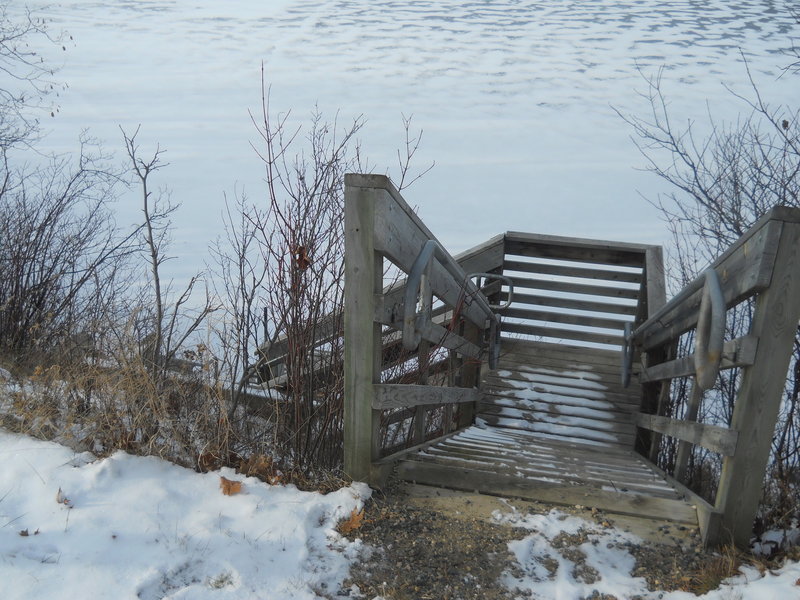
<point>418,279</point>
<point>710,335</point>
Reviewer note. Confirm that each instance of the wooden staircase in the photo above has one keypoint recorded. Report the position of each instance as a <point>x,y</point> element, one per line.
<point>553,421</point>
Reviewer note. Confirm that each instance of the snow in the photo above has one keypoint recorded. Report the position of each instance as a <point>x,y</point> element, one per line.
<point>73,526</point>
<point>605,552</point>
<point>130,526</point>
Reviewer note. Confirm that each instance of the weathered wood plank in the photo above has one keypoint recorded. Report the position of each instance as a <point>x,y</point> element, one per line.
<point>599,411</point>
<point>775,321</point>
<point>744,270</point>
<point>605,374</point>
<point>498,484</point>
<point>363,277</point>
<point>575,288</point>
<point>717,439</point>
<point>483,258</point>
<point>735,353</point>
<point>556,463</point>
<point>557,431</point>
<point>621,308</point>
<point>622,401</point>
<point>579,249</point>
<point>559,453</point>
<point>569,475</point>
<point>565,318</point>
<point>574,352</point>
<point>399,396</point>
<point>441,336</point>
<point>541,379</point>
<point>656,283</point>
<point>617,427</point>
<point>401,240</point>
<point>571,271</point>
<point>564,334</point>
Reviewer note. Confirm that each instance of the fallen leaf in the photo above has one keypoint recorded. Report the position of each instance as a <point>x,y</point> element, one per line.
<point>230,487</point>
<point>301,255</point>
<point>62,499</point>
<point>355,521</point>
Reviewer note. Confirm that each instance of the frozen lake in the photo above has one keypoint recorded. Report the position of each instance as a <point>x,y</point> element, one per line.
<point>515,97</point>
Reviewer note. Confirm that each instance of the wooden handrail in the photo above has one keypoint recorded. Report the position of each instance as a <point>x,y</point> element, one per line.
<point>380,226</point>
<point>763,264</point>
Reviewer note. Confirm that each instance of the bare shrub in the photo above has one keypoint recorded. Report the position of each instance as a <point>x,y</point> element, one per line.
<point>281,271</point>
<point>724,182</point>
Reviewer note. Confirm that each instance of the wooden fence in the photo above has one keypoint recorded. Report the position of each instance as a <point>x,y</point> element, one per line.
<point>573,299</point>
<point>764,265</point>
<point>385,388</point>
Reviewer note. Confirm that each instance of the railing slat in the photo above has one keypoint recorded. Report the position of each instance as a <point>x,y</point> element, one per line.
<point>717,439</point>
<point>571,271</point>
<point>735,353</point>
<point>565,334</point>
<point>576,288</point>
<point>571,304</point>
<point>402,396</point>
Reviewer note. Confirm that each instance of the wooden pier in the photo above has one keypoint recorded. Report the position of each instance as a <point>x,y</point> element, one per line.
<point>552,420</point>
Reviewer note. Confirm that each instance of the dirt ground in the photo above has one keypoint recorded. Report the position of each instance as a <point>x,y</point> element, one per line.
<point>432,543</point>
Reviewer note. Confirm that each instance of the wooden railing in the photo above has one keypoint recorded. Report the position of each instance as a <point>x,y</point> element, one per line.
<point>764,265</point>
<point>385,385</point>
<point>579,291</point>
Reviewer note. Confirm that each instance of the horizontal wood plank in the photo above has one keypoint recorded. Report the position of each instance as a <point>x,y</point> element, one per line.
<point>576,288</point>
<point>579,249</point>
<point>717,439</point>
<point>565,318</point>
<point>571,271</point>
<point>740,352</point>
<point>564,334</point>
<point>399,396</point>
<point>497,484</point>
<point>619,308</point>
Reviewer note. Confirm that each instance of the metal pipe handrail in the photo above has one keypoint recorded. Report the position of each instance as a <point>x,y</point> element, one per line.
<point>433,249</point>
<point>504,279</point>
<point>710,334</point>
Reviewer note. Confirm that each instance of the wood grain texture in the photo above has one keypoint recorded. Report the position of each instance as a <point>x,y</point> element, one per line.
<point>775,323</point>
<point>717,439</point>
<point>740,352</point>
<point>400,396</point>
<point>502,484</point>
<point>362,334</point>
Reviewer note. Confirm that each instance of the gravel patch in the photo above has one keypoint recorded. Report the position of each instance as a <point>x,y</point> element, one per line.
<point>424,552</point>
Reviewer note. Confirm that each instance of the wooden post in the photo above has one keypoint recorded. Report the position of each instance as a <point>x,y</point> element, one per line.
<point>470,375</point>
<point>653,296</point>
<point>754,415</point>
<point>684,447</point>
<point>423,356</point>
<point>362,351</point>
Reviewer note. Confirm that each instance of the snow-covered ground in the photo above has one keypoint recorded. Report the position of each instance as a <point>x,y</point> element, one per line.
<point>134,527</point>
<point>72,526</point>
<point>515,96</point>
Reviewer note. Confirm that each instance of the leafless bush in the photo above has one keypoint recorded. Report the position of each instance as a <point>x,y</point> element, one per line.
<point>59,252</point>
<point>27,80</point>
<point>281,272</point>
<point>724,182</point>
